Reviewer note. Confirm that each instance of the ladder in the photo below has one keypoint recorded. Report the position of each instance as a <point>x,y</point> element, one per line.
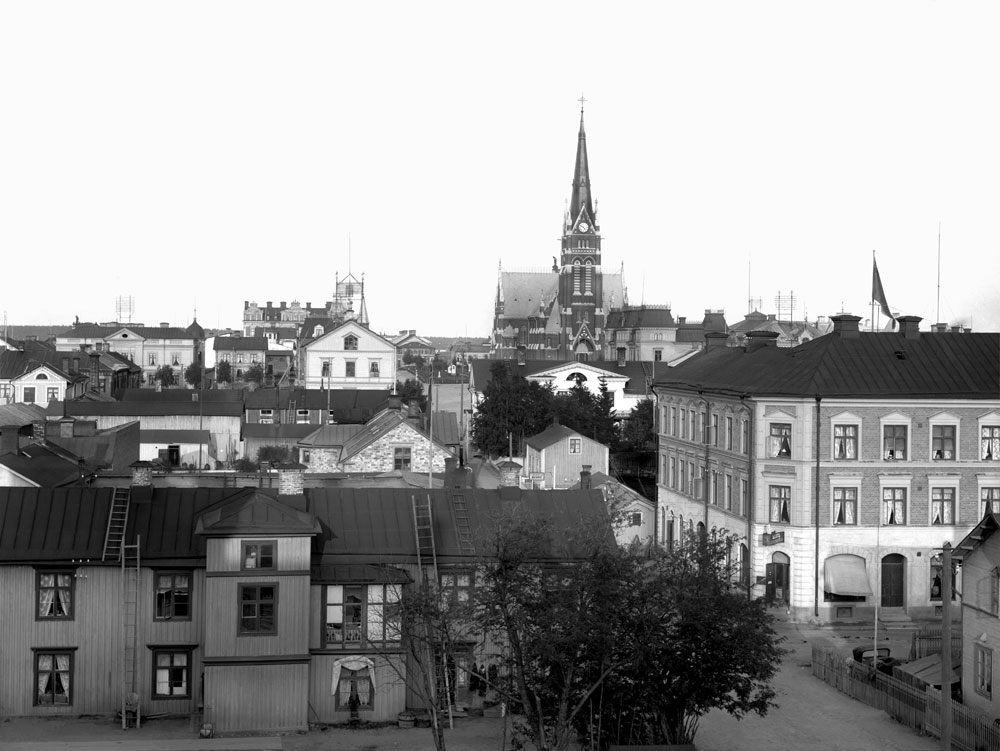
<point>460,512</point>
<point>117,520</point>
<point>423,523</point>
<point>130,566</point>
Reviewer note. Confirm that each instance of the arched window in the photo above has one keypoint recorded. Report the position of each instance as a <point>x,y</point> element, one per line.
<point>588,278</point>
<point>577,284</point>
<point>41,377</point>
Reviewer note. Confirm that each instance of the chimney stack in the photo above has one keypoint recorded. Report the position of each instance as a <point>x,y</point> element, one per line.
<point>760,339</point>
<point>846,326</point>
<point>9,441</point>
<point>290,478</point>
<point>909,326</point>
<point>714,339</point>
<point>585,477</point>
<point>142,474</point>
<point>940,328</point>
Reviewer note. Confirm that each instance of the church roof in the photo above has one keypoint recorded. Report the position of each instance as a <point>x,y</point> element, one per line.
<point>530,293</point>
<point>581,201</point>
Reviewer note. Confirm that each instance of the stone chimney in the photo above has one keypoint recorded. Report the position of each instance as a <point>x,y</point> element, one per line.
<point>846,326</point>
<point>939,328</point>
<point>290,478</point>
<point>585,477</point>
<point>909,326</point>
<point>509,473</point>
<point>142,474</point>
<point>760,339</point>
<point>714,339</point>
<point>95,371</point>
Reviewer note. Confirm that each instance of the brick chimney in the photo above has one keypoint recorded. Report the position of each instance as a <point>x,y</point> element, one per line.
<point>585,477</point>
<point>846,326</point>
<point>909,326</point>
<point>454,475</point>
<point>939,328</point>
<point>95,371</point>
<point>142,474</point>
<point>714,339</point>
<point>290,478</point>
<point>509,472</point>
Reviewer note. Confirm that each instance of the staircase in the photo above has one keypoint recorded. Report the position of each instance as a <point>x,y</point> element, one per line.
<point>117,521</point>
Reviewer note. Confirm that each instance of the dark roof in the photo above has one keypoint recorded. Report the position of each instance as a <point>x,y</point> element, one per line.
<point>362,403</point>
<point>330,435</point>
<point>288,432</point>
<point>183,395</point>
<point>21,414</point>
<point>174,436</point>
<point>145,408</point>
<point>551,435</point>
<point>240,343</point>
<point>639,317</point>
<point>357,525</point>
<point>46,467</point>
<point>446,429</point>
<point>987,526</point>
<point>865,364</point>
<point>14,363</point>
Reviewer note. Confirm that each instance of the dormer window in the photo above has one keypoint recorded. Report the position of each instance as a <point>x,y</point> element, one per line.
<point>317,331</point>
<point>350,342</point>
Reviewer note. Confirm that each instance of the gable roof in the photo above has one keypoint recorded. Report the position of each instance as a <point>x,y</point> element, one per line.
<point>253,512</point>
<point>986,527</point>
<point>342,329</point>
<point>640,317</point>
<point>553,434</point>
<point>145,408</point>
<point>867,364</point>
<point>43,466</point>
<point>21,414</point>
<point>330,435</point>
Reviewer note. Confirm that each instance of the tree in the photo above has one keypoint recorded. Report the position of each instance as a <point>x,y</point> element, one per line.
<point>686,641</point>
<point>254,374</point>
<point>165,375</point>
<point>192,374</point>
<point>637,432</point>
<point>409,388</point>
<point>273,454</point>
<point>223,372</point>
<point>587,413</point>
<point>511,409</point>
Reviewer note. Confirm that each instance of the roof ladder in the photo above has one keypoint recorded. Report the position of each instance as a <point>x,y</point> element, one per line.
<point>423,523</point>
<point>117,520</point>
<point>130,566</point>
<point>460,512</point>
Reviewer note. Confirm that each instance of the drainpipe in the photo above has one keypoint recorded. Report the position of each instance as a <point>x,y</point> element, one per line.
<point>816,514</point>
<point>749,510</point>
<point>705,471</point>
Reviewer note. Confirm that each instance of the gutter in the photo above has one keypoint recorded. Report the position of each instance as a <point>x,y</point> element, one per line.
<point>816,513</point>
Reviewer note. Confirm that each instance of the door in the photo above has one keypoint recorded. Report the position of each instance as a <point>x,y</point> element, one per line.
<point>893,580</point>
<point>777,579</point>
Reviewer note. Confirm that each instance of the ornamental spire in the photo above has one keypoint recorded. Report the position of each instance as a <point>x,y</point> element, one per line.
<point>581,198</point>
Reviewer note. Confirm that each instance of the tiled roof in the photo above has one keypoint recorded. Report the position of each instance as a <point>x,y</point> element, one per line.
<point>21,414</point>
<point>232,396</point>
<point>867,364</point>
<point>14,363</point>
<point>364,400</point>
<point>144,409</point>
<point>240,343</point>
<point>286,432</point>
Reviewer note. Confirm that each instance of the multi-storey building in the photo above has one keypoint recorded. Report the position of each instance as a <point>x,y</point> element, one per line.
<point>649,333</point>
<point>348,302</point>
<point>845,462</point>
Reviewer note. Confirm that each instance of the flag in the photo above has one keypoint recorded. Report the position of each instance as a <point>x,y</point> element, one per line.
<point>878,294</point>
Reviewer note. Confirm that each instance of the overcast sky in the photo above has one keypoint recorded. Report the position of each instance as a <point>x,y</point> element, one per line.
<point>199,154</point>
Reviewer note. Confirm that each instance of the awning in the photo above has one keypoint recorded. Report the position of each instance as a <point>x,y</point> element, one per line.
<point>846,575</point>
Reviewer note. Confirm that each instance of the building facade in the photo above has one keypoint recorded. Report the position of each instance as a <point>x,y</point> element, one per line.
<point>844,462</point>
<point>349,355</point>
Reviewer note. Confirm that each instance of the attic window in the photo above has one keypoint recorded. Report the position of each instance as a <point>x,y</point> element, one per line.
<point>900,354</point>
<point>577,377</point>
<point>41,377</point>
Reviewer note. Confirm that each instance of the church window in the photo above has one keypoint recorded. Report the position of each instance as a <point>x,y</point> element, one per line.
<point>588,278</point>
<point>577,271</point>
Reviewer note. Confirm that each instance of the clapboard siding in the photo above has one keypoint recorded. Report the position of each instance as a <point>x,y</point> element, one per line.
<point>222,615</point>
<point>390,689</point>
<point>257,697</point>
<point>224,554</point>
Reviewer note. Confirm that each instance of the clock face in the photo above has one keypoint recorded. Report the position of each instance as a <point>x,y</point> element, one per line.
<point>584,227</point>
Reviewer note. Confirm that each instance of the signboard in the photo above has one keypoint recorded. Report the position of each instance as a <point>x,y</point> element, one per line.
<point>773,538</point>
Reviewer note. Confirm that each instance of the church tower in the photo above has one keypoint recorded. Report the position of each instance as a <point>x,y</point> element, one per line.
<point>581,291</point>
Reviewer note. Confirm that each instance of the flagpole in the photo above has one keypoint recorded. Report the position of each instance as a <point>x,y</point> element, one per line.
<point>874,266</point>
<point>938,314</point>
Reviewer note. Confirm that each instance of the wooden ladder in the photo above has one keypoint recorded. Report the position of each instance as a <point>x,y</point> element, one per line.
<point>117,521</point>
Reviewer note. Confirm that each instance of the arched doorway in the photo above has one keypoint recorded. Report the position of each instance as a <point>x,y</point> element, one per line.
<point>893,580</point>
<point>777,580</point>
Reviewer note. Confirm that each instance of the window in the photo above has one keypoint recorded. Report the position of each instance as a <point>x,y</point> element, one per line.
<point>354,690</point>
<point>729,433</point>
<point>152,358</point>
<point>29,395</point>
<point>744,497</point>
<point>673,421</point>
<point>990,500</point>
<point>943,443</point>
<point>715,487</point>
<point>715,430</point>
<point>171,674</point>
<point>635,519</point>
<point>845,506</point>
<point>684,424</point>
<point>402,457</point>
<point>657,355</point>
<point>55,595</point>
<point>576,277</point>
<point>780,496</point>
<point>5,389</point>
<point>779,442</point>
<point>937,574</point>
<point>745,436</point>
<point>258,609</point>
<point>373,369</point>
<point>994,590</point>
<point>53,677</point>
<point>673,472</point>
<point>52,394</point>
<point>990,449</point>
<point>729,492</point>
<point>302,416</point>
<point>845,441</point>
<point>356,613</point>
<point>173,597</point>
<point>175,359</point>
<point>942,505</point>
<point>349,368</point>
<point>894,506</point>
<point>620,352</point>
<point>350,342</point>
<point>894,442</point>
<point>576,445</point>
<point>325,369</point>
<point>258,554</point>
<point>456,587</point>
<point>984,671</point>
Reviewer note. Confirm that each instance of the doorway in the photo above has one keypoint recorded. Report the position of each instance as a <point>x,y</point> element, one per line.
<point>777,580</point>
<point>893,580</point>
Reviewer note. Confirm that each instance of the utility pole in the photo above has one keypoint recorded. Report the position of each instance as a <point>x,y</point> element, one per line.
<point>946,647</point>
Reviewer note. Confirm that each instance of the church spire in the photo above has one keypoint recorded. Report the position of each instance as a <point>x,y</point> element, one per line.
<point>581,198</point>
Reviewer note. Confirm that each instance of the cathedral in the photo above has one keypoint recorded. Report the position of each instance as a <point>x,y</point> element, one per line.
<point>559,314</point>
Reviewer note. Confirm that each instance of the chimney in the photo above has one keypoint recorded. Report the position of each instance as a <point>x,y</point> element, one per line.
<point>940,328</point>
<point>715,339</point>
<point>282,304</point>
<point>454,475</point>
<point>142,474</point>
<point>9,442</point>
<point>269,303</point>
<point>509,472</point>
<point>585,477</point>
<point>956,329</point>
<point>909,326</point>
<point>95,371</point>
<point>846,326</point>
<point>759,339</point>
<point>290,478</point>
<point>164,324</point>
<point>65,364</point>
<point>681,320</point>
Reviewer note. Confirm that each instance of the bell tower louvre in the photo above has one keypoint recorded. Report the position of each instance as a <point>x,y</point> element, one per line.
<point>559,314</point>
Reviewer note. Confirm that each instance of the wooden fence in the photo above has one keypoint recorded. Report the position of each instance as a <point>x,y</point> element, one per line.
<point>928,642</point>
<point>919,709</point>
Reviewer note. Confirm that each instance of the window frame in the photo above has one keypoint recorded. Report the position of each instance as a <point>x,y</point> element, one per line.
<point>849,502</point>
<point>160,605</point>
<point>257,547</point>
<point>399,459</point>
<point>350,369</point>
<point>259,601</point>
<point>575,445</point>
<point>457,586</point>
<point>893,490</point>
<point>352,676</point>
<point>992,427</point>
<point>779,440</point>
<point>783,495</point>
<point>895,423</point>
<point>350,343</point>
<point>53,652</point>
<point>943,426</point>
<point>70,612</point>
<point>855,439</point>
<point>173,652</point>
<point>944,502</point>
<point>366,608</point>
<point>989,495</point>
<point>982,678</point>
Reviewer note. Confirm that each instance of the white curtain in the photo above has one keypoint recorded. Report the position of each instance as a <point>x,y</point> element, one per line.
<point>62,665</point>
<point>352,663</point>
<point>44,673</point>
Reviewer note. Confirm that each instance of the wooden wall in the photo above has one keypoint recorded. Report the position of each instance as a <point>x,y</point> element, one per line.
<point>250,697</point>
<point>390,689</point>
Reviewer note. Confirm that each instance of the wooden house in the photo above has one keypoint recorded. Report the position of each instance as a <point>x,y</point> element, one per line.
<point>263,609</point>
<point>555,457</point>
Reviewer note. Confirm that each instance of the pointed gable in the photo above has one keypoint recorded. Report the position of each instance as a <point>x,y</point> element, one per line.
<point>256,513</point>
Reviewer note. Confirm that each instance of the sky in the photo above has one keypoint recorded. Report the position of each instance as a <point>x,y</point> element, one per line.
<point>193,155</point>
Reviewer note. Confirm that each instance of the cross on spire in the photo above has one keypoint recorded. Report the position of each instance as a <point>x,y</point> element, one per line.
<point>582,101</point>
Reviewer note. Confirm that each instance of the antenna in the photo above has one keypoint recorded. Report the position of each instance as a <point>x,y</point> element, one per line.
<point>938,314</point>
<point>124,307</point>
<point>749,298</point>
<point>782,302</point>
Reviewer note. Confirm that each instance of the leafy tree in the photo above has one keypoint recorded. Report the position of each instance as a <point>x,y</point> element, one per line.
<point>274,454</point>
<point>686,641</point>
<point>165,375</point>
<point>511,409</point>
<point>637,432</point>
<point>409,388</point>
<point>254,374</point>
<point>192,374</point>
<point>587,413</point>
<point>223,372</point>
